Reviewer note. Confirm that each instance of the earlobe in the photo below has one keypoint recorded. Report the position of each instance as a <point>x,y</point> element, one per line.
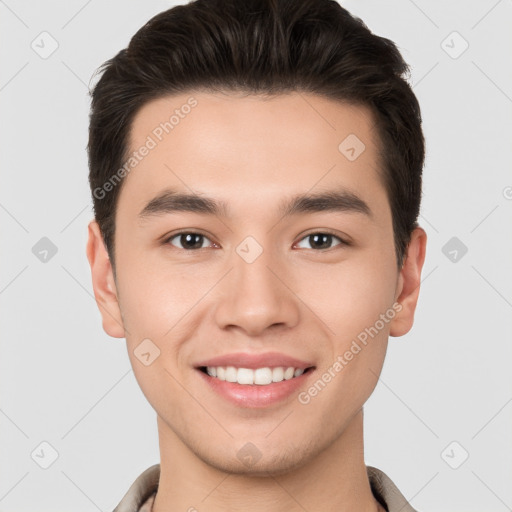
<point>409,280</point>
<point>103,283</point>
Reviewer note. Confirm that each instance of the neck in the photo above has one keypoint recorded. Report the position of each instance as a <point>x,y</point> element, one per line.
<point>334,480</point>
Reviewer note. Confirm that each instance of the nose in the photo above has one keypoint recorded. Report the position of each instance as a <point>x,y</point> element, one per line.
<point>257,295</point>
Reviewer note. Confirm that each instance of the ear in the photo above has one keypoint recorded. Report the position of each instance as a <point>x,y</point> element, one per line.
<point>409,280</point>
<point>103,283</point>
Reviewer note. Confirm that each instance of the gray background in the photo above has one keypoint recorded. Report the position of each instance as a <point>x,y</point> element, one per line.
<point>66,383</point>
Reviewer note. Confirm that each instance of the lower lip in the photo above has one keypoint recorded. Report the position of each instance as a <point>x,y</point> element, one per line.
<point>254,395</point>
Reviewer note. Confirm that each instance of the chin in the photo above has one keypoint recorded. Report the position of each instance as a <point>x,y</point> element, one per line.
<point>249,460</point>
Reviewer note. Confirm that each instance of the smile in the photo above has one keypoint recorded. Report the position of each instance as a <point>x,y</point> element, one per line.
<point>259,376</point>
<point>255,380</point>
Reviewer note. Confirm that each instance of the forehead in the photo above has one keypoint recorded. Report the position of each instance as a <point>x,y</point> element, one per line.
<point>236,146</point>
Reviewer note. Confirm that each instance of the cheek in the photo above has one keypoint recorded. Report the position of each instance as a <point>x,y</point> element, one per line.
<point>350,296</point>
<point>153,297</point>
<point>355,298</point>
<point>154,303</point>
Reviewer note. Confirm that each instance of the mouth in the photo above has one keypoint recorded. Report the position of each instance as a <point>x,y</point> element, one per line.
<point>254,380</point>
<point>255,388</point>
<point>264,376</point>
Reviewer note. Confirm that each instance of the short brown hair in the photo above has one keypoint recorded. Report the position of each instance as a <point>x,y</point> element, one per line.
<point>260,46</point>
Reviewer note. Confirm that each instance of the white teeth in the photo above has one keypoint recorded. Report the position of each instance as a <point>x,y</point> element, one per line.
<point>245,376</point>
<point>278,374</point>
<point>288,374</point>
<point>260,376</point>
<point>231,373</point>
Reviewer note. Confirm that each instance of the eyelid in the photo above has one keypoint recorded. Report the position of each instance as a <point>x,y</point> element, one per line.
<point>342,243</point>
<point>168,237</point>
<point>343,239</point>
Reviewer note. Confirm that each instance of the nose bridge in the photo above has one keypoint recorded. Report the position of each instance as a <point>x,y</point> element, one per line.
<point>256,298</point>
<point>252,268</point>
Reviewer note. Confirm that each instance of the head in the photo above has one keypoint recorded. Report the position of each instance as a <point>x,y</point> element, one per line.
<point>279,121</point>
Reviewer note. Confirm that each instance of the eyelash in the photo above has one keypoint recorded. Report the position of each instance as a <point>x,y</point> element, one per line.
<point>325,232</point>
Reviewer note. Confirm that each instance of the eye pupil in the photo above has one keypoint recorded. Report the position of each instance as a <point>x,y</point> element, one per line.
<point>327,240</point>
<point>186,239</point>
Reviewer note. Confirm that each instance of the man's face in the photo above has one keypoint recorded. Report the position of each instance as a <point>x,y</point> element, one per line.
<point>252,281</point>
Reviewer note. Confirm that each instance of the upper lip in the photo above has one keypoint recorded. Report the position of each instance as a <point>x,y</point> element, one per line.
<point>254,361</point>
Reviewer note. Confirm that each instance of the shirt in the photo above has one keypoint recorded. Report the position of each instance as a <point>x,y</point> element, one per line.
<point>141,494</point>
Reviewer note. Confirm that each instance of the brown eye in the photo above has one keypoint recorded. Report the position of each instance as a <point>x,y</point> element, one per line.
<point>322,241</point>
<point>189,240</point>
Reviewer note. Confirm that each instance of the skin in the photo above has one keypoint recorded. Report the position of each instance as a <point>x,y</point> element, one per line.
<point>296,299</point>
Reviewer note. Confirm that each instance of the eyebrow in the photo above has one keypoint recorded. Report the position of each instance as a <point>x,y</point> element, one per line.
<point>171,201</point>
